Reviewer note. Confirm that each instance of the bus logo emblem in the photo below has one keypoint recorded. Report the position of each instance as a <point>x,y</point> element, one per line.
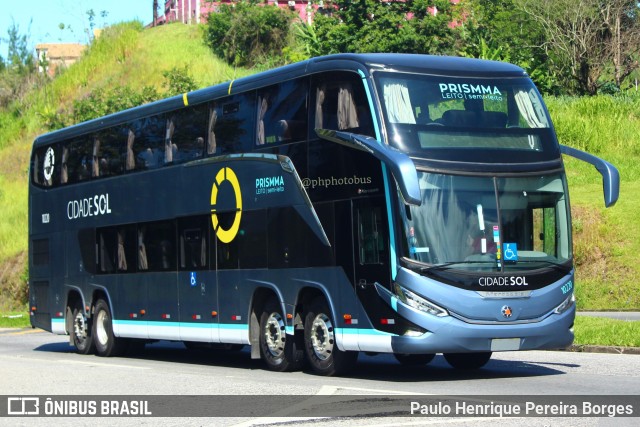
<point>49,162</point>
<point>226,174</point>
<point>507,312</point>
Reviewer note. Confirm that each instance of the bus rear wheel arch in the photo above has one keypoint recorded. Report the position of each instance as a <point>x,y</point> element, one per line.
<point>277,349</point>
<point>106,343</point>
<point>467,361</point>
<point>322,352</point>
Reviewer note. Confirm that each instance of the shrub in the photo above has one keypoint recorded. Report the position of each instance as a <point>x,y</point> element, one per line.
<point>247,33</point>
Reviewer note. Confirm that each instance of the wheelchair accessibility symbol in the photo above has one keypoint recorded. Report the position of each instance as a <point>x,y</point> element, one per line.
<point>193,281</point>
<point>510,251</point>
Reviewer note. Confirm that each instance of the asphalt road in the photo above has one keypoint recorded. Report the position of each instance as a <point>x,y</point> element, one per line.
<point>33,362</point>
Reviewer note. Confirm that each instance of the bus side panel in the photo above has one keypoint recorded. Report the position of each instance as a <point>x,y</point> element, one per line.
<point>197,295</point>
<point>235,290</point>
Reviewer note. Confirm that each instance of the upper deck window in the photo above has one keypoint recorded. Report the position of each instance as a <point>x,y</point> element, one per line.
<point>435,112</point>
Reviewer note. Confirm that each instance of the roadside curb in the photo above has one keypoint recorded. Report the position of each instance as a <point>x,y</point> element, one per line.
<point>601,349</point>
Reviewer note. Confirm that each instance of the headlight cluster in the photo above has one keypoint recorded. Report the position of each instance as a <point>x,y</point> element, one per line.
<point>566,304</point>
<point>419,303</point>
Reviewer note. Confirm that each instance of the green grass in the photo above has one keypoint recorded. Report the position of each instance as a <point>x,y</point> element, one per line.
<point>606,332</point>
<point>15,319</point>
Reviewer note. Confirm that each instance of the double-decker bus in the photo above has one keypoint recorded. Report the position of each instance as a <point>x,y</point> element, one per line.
<point>383,203</point>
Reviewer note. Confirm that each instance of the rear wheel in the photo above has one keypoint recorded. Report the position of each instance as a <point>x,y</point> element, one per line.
<point>81,331</point>
<point>277,349</point>
<point>321,348</point>
<point>467,361</point>
<point>107,344</point>
<point>414,359</point>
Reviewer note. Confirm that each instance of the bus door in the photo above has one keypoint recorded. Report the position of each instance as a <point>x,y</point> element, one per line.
<point>371,252</point>
<point>197,288</point>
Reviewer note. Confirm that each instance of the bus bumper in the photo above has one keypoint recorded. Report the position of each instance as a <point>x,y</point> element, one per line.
<point>456,336</point>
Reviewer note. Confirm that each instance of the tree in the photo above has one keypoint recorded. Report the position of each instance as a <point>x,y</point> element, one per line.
<point>155,13</point>
<point>387,26</point>
<point>623,22</point>
<point>584,37</point>
<point>19,56</point>
<point>497,30</point>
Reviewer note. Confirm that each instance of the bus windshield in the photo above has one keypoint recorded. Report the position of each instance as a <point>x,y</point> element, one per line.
<point>428,116</point>
<point>489,223</point>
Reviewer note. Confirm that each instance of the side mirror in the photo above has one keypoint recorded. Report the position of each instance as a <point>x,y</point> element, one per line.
<point>610,175</point>
<point>401,165</point>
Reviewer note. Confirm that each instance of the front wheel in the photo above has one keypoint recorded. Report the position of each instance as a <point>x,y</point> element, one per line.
<point>467,361</point>
<point>321,348</point>
<point>277,349</point>
<point>81,331</point>
<point>107,344</point>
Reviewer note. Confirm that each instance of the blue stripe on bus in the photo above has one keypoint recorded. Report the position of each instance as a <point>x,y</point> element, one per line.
<point>180,324</point>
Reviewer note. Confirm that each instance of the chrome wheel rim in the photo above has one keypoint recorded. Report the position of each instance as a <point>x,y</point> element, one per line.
<point>275,334</point>
<point>322,338</point>
<point>80,326</point>
<point>101,329</point>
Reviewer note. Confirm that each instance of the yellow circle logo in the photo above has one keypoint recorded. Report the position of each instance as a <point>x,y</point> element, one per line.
<point>226,174</point>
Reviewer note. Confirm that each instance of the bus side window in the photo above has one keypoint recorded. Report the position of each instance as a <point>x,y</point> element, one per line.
<point>126,251</point>
<point>193,245</point>
<point>160,245</point>
<point>282,113</point>
<point>340,102</point>
<point>78,165</point>
<point>190,132</point>
<point>146,143</point>
<point>107,248</point>
<point>371,244</point>
<point>234,119</point>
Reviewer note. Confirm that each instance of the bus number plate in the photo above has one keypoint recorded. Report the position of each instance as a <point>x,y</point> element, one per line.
<point>505,344</point>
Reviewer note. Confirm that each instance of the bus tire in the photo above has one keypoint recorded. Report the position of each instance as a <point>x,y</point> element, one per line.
<point>321,348</point>
<point>467,361</point>
<point>413,359</point>
<point>107,344</point>
<point>277,349</point>
<point>81,333</point>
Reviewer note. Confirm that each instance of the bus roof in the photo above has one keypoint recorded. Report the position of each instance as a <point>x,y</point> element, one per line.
<point>365,63</point>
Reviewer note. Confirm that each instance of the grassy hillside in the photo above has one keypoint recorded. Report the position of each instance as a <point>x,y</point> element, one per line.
<point>606,241</point>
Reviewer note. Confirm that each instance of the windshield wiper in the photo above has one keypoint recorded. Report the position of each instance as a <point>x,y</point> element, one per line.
<point>446,265</point>
<point>560,267</point>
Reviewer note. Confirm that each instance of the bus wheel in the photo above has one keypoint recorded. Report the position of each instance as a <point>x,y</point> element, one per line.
<point>414,359</point>
<point>323,353</point>
<point>278,350</point>
<point>467,361</point>
<point>81,331</point>
<point>106,343</point>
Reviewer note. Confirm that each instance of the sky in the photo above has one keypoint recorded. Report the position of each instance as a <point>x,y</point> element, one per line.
<point>41,19</point>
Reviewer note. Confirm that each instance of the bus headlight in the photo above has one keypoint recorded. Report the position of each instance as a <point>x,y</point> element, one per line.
<point>566,304</point>
<point>419,303</point>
